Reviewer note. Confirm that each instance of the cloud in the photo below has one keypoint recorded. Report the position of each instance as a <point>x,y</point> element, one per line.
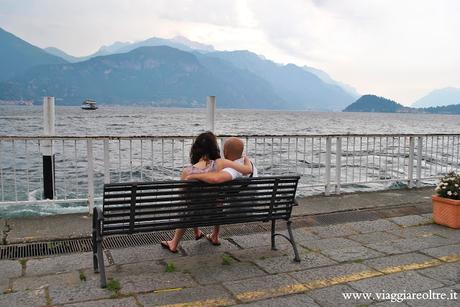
<point>397,49</point>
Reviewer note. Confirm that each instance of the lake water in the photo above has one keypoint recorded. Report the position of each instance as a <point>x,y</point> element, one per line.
<point>73,121</point>
<point>116,121</point>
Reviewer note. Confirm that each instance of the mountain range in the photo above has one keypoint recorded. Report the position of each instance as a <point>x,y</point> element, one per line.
<point>162,72</point>
<point>372,103</point>
<point>17,56</point>
<point>439,97</point>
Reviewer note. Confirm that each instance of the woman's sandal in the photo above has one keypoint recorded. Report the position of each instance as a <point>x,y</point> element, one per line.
<point>200,236</point>
<point>209,237</point>
<point>165,245</point>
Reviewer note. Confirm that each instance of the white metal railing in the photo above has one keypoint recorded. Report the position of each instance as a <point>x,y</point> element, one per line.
<point>326,163</point>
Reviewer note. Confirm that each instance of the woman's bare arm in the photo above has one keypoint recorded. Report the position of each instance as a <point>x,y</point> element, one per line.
<point>245,168</point>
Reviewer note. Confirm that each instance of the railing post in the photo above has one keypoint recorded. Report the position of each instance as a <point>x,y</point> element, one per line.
<point>89,154</point>
<point>328,166</point>
<point>419,160</point>
<point>338,164</point>
<point>106,162</point>
<point>410,170</point>
<point>47,149</point>
<point>211,110</point>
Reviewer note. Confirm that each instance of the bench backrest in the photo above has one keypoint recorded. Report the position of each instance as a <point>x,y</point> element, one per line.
<point>151,206</point>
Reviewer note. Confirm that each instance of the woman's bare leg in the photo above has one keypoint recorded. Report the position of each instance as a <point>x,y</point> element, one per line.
<point>174,242</point>
<point>198,232</point>
<point>215,234</point>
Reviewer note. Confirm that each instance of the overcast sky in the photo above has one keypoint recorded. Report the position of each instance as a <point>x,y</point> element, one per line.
<point>400,49</point>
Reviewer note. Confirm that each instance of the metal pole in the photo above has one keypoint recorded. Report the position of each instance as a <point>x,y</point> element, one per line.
<point>419,160</point>
<point>410,167</point>
<point>106,162</point>
<point>338,164</point>
<point>211,109</point>
<point>328,165</point>
<point>89,154</point>
<point>47,148</point>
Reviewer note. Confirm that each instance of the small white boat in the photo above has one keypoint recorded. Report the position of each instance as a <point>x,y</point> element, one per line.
<point>89,104</point>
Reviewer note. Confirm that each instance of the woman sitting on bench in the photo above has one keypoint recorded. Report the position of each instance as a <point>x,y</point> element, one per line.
<point>204,158</point>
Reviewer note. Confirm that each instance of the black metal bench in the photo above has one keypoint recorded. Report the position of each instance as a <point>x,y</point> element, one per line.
<point>135,207</point>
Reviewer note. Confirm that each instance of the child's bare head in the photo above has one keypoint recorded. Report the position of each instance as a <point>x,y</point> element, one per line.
<point>233,148</point>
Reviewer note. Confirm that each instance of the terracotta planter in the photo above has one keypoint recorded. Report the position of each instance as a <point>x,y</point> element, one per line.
<point>446,211</point>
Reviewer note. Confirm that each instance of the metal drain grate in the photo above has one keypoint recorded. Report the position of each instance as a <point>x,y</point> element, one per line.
<point>41,249</point>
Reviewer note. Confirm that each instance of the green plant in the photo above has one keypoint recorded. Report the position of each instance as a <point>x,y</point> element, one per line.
<point>82,276</point>
<point>226,260</point>
<point>449,186</point>
<point>113,285</point>
<point>23,261</point>
<point>170,267</point>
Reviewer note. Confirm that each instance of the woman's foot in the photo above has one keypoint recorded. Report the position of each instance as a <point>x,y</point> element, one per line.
<point>214,240</point>
<point>167,245</point>
<point>199,235</point>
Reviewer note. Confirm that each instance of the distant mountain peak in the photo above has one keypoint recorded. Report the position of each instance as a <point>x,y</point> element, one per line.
<point>439,97</point>
<point>373,103</point>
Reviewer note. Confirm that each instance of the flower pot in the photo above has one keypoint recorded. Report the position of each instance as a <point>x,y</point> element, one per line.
<point>446,211</point>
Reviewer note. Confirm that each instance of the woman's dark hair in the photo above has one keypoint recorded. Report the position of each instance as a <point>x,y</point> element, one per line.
<point>204,146</point>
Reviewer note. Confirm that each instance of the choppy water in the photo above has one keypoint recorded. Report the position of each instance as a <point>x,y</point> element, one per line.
<point>162,121</point>
<point>73,121</point>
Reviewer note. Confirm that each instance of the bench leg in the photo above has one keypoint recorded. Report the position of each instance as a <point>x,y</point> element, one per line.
<point>294,246</point>
<point>273,235</point>
<point>100,260</point>
<point>95,262</point>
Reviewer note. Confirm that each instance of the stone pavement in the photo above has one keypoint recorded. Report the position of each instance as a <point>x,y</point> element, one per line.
<point>70,226</point>
<point>406,254</point>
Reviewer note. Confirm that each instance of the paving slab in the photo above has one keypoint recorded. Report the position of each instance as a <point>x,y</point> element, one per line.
<point>150,282</point>
<point>190,263</point>
<point>396,283</point>
<point>450,300</point>
<point>412,232</point>
<point>330,231</point>
<point>145,267</point>
<point>122,302</point>
<point>204,247</point>
<point>394,261</point>
<point>9,269</point>
<point>373,226</point>
<point>411,220</point>
<point>449,250</point>
<point>351,253</point>
<point>58,264</point>
<point>287,264</point>
<point>253,240</point>
<point>435,229</point>
<point>259,288</point>
<point>374,237</point>
<point>303,234</point>
<point>295,300</point>
<point>321,204</point>
<point>262,252</point>
<point>24,298</point>
<point>448,274</point>
<point>208,296</point>
<point>329,243</point>
<point>333,296</point>
<point>409,245</point>
<point>330,272</point>
<point>140,254</point>
<point>44,228</point>
<point>84,291</point>
<point>37,282</point>
<point>215,274</point>
<point>4,286</point>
